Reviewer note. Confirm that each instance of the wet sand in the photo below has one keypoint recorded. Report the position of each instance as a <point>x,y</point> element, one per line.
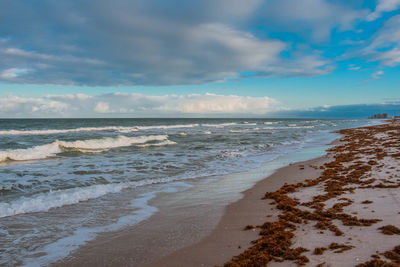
<point>338,210</point>
<point>342,209</point>
<point>228,238</point>
<point>186,242</point>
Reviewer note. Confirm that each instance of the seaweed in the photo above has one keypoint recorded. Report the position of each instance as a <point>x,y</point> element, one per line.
<point>344,174</point>
<point>389,230</point>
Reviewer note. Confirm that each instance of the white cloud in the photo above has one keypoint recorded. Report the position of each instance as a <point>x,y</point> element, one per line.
<point>354,67</point>
<point>243,48</point>
<point>315,18</point>
<point>102,107</point>
<point>383,6</point>
<point>136,105</point>
<point>385,44</point>
<point>13,73</point>
<point>16,106</point>
<point>34,55</point>
<point>390,58</point>
<point>377,75</point>
<point>220,104</point>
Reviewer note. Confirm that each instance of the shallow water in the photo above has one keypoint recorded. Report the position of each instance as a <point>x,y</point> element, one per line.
<point>62,181</point>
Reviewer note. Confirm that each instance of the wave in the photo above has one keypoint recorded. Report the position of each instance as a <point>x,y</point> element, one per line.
<point>218,125</point>
<point>239,131</point>
<point>65,245</point>
<point>84,146</point>
<point>288,127</point>
<point>54,199</point>
<point>59,131</point>
<point>287,143</point>
<point>166,126</point>
<point>94,129</point>
<point>230,154</point>
<point>164,143</point>
<point>271,122</point>
<point>43,202</point>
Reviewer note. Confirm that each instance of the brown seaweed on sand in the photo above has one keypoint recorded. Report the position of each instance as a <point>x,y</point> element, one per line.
<point>319,250</point>
<point>344,174</point>
<point>389,230</point>
<point>339,248</point>
<point>392,255</point>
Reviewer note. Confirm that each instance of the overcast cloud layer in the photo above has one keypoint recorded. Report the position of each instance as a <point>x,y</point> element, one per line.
<point>155,42</point>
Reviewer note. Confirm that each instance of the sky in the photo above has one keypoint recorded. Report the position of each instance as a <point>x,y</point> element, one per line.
<point>199,58</point>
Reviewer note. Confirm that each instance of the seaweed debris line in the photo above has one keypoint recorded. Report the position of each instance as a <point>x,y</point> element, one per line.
<point>348,216</point>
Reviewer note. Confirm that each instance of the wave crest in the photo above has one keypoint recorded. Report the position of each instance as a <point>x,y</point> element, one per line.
<point>91,145</point>
<point>59,131</point>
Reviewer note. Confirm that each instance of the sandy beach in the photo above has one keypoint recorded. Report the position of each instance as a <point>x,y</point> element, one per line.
<point>229,238</point>
<point>342,209</point>
<point>200,133</point>
<point>339,210</point>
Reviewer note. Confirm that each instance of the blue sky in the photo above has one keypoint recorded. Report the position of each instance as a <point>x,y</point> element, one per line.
<point>152,58</point>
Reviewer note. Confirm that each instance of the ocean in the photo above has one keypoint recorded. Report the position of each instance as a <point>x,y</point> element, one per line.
<point>63,181</point>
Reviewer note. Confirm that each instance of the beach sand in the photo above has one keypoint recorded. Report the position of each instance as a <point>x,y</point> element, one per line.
<point>346,213</point>
<point>342,209</point>
<point>229,238</point>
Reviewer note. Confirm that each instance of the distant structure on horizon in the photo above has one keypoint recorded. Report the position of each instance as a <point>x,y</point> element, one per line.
<point>379,116</point>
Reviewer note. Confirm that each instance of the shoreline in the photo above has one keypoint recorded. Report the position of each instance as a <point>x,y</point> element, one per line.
<point>351,193</point>
<point>121,248</point>
<point>218,244</point>
<point>228,238</point>
<point>163,234</point>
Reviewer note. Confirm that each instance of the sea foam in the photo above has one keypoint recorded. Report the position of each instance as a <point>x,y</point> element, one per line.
<point>218,125</point>
<point>84,146</point>
<point>167,126</point>
<point>54,199</point>
<point>75,130</point>
<point>121,129</point>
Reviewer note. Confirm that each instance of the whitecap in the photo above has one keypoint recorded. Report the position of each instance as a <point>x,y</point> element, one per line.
<point>218,125</point>
<point>84,146</point>
<point>166,126</point>
<point>59,131</point>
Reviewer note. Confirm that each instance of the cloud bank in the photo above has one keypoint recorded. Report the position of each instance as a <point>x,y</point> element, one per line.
<point>131,105</point>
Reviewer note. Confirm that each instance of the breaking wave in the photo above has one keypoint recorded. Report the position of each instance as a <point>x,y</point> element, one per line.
<point>54,199</point>
<point>166,126</point>
<point>94,129</point>
<point>218,125</point>
<point>84,146</point>
<point>76,130</point>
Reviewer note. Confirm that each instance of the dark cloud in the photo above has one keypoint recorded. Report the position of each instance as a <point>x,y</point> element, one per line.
<point>153,42</point>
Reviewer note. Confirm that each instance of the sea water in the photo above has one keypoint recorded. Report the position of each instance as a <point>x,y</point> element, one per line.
<point>63,181</point>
